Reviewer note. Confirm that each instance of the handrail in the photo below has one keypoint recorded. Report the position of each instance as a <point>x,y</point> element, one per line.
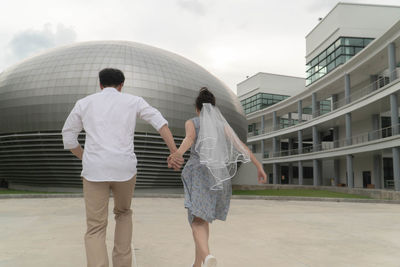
<point>356,94</point>
<point>357,139</point>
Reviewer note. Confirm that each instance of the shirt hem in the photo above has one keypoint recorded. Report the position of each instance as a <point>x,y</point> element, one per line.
<point>109,180</point>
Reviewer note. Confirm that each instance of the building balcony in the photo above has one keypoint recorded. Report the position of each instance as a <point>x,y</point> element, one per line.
<point>370,94</point>
<point>369,141</point>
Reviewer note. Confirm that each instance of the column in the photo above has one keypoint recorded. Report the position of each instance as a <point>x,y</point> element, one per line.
<point>275,146</point>
<point>377,171</point>
<point>316,173</point>
<point>262,124</point>
<point>290,147</point>
<point>300,170</point>
<point>316,166</point>
<point>375,127</point>
<point>300,151</point>
<point>336,171</point>
<point>290,119</point>
<point>394,110</point>
<point>392,61</point>
<point>396,167</point>
<point>335,99</point>
<point>315,139</point>
<point>275,173</point>
<point>314,105</point>
<point>290,173</point>
<point>348,129</point>
<point>262,148</point>
<point>275,167</point>
<point>336,137</point>
<point>262,130</point>
<point>300,141</point>
<point>300,111</point>
<point>347,88</point>
<point>349,168</point>
<point>275,121</point>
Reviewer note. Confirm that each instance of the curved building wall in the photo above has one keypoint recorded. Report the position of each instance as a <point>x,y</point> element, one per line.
<point>37,95</point>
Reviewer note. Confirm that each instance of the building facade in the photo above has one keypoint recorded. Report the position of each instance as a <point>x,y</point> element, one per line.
<point>343,125</point>
<point>36,96</point>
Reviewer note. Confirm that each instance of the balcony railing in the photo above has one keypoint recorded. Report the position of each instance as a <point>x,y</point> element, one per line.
<point>354,140</point>
<point>355,94</point>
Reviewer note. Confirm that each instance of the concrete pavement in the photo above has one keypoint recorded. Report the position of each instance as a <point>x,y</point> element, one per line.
<point>258,233</point>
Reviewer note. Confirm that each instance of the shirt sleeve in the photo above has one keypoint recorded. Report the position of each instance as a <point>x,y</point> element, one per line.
<point>72,127</point>
<point>150,114</point>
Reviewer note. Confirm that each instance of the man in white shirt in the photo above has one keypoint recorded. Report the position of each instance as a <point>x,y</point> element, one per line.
<point>109,162</point>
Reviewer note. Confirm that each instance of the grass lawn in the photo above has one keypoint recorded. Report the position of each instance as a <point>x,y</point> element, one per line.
<point>297,193</point>
<point>11,191</point>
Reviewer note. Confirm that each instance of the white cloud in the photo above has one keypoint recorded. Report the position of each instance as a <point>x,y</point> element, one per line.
<point>231,39</point>
<point>193,6</point>
<point>32,41</point>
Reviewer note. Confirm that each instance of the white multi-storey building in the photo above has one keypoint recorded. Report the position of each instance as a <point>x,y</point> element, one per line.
<point>339,125</point>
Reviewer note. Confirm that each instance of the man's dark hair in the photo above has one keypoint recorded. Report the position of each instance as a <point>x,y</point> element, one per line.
<point>205,96</point>
<point>111,77</point>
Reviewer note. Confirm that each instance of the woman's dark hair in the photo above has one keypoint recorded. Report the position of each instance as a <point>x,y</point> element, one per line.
<point>205,96</point>
<point>111,77</point>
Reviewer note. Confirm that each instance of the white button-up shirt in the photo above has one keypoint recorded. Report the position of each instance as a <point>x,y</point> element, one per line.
<point>109,120</point>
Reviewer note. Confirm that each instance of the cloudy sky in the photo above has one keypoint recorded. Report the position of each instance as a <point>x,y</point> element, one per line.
<point>230,38</point>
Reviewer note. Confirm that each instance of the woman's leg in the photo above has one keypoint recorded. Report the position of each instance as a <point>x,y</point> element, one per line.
<point>200,229</point>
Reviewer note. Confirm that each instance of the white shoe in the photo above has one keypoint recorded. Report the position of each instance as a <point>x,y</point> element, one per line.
<point>210,261</point>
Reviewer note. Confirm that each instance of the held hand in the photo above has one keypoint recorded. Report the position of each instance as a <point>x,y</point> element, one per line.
<point>262,177</point>
<point>175,161</point>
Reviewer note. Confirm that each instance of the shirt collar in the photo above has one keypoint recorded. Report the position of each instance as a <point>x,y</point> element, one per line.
<point>110,90</point>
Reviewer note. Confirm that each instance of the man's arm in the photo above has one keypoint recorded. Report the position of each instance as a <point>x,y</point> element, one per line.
<point>168,138</point>
<point>70,132</point>
<point>154,117</point>
<point>78,152</point>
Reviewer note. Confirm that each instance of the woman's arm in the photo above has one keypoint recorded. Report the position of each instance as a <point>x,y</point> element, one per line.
<point>261,175</point>
<point>186,143</point>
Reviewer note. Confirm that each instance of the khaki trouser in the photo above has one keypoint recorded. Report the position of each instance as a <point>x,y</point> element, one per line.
<point>96,196</point>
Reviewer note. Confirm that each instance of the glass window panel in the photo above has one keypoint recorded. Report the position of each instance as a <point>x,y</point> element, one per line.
<point>338,42</point>
<point>330,49</point>
<point>357,49</point>
<point>322,56</point>
<point>349,50</point>
<point>354,41</point>
<point>367,41</point>
<point>322,63</point>
<point>339,51</point>
<point>314,61</point>
<point>339,60</point>
<point>331,66</point>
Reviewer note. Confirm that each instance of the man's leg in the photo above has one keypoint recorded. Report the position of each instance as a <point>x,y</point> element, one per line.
<point>123,193</point>
<point>96,196</point>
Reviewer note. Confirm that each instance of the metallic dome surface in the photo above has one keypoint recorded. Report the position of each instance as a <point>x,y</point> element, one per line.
<point>37,94</point>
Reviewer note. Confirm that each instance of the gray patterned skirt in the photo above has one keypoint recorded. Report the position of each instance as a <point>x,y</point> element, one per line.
<point>200,200</point>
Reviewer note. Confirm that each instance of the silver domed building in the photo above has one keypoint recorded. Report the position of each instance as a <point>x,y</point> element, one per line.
<point>37,95</point>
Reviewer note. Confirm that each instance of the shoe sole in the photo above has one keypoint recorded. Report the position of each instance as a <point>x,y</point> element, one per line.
<point>211,263</point>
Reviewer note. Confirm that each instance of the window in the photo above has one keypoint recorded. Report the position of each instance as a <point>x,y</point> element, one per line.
<point>330,49</point>
<point>339,52</point>
<point>260,101</point>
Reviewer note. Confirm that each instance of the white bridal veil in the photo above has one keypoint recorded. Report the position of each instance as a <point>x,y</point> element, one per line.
<point>218,146</point>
